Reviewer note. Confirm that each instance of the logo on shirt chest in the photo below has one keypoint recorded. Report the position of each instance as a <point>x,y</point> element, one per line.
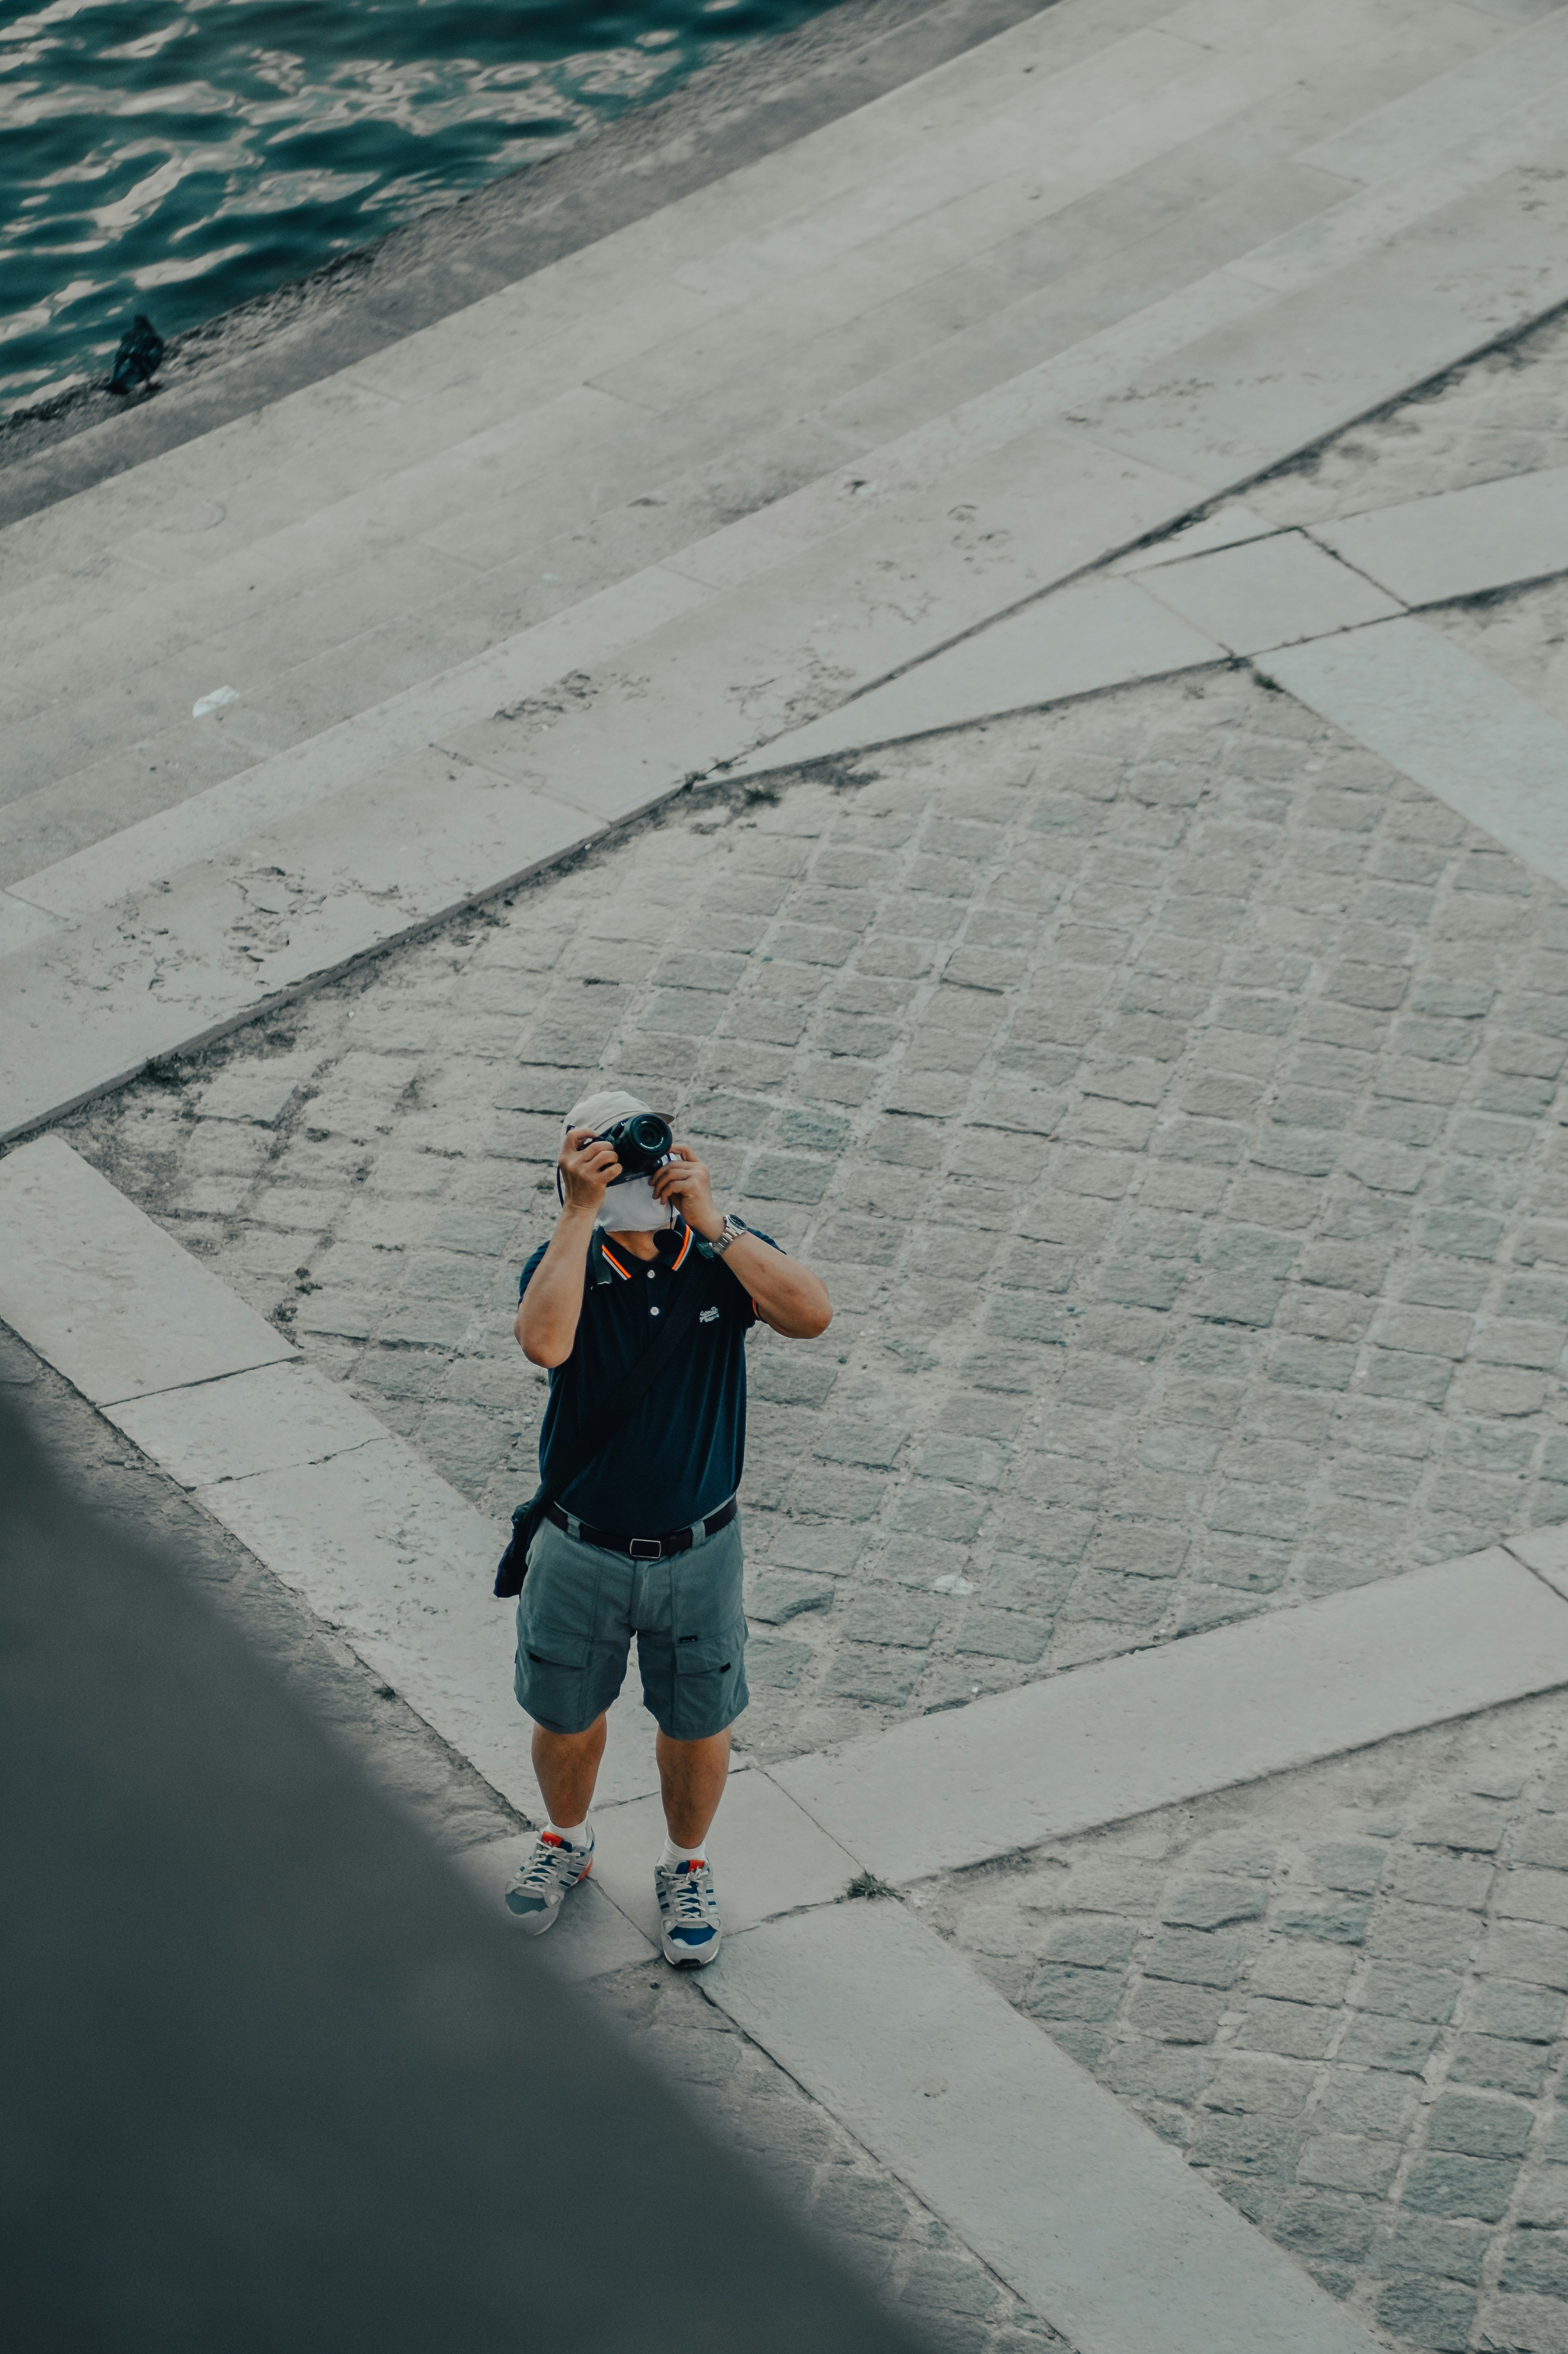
<point>708,1316</point>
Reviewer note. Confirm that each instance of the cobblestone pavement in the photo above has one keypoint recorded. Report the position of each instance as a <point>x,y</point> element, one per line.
<point>1343,1993</point>
<point>1166,1087</point>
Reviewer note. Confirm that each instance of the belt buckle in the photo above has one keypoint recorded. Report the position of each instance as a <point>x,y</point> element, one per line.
<point>645,1548</point>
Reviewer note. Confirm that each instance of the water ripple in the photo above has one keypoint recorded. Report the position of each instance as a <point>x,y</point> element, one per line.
<point>205,151</point>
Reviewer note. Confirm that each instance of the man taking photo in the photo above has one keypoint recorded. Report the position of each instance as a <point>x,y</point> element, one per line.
<point>644,1539</point>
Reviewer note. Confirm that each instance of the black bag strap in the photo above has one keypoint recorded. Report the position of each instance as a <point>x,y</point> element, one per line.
<point>601,1426</point>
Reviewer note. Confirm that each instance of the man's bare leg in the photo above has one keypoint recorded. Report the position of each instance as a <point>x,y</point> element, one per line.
<point>691,1782</point>
<point>565,1767</point>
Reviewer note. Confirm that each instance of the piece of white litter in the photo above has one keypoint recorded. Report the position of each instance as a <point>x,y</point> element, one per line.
<point>953,1584</point>
<point>215,701</point>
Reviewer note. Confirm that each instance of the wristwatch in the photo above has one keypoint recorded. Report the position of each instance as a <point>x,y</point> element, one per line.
<point>721,1242</point>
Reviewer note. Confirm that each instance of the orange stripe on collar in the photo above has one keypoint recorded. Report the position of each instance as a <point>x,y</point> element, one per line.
<point>680,1258</point>
<point>624,1272</point>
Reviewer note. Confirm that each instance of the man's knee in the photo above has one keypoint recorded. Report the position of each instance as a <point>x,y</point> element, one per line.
<point>677,1750</point>
<point>590,1738</point>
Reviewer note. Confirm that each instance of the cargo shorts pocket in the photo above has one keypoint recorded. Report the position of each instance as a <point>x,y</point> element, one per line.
<point>709,1683</point>
<point>551,1680</point>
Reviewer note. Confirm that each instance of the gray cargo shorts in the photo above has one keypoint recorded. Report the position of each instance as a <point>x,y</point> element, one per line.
<point>581,1607</point>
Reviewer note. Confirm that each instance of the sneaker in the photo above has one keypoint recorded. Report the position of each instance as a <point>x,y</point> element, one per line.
<point>689,1912</point>
<point>534,1897</point>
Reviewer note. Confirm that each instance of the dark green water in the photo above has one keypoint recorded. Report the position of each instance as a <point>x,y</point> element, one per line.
<point>175,156</point>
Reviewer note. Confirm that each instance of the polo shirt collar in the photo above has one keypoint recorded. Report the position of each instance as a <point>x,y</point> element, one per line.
<point>610,1263</point>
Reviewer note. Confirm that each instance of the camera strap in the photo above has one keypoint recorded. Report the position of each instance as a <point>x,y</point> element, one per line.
<point>607,1418</point>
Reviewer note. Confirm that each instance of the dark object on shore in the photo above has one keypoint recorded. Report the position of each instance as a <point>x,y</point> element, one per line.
<point>273,2079</point>
<point>136,361</point>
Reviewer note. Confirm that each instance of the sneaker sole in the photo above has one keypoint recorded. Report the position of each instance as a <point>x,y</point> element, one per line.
<point>684,1959</point>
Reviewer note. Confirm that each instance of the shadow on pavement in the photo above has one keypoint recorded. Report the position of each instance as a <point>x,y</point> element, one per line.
<point>271,2079</point>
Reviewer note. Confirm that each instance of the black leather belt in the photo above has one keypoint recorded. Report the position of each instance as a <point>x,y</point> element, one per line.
<point>644,1548</point>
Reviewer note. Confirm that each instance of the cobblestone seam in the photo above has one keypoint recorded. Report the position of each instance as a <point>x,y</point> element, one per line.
<point>1343,1995</point>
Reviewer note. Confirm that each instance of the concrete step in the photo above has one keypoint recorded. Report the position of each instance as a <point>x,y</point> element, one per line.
<point>339,478</point>
<point>730,636</point>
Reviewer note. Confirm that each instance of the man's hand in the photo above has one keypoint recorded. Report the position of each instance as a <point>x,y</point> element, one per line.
<point>687,1186</point>
<point>587,1169</point>
<point>784,1293</point>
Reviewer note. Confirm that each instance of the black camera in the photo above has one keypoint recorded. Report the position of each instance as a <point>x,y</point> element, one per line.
<point>642,1144</point>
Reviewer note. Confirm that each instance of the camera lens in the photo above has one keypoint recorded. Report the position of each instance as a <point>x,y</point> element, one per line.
<point>642,1144</point>
<point>651,1135</point>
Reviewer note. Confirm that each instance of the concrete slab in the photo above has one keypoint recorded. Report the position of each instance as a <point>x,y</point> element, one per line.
<point>49,813</point>
<point>1104,103</point>
<point>430,832</point>
<point>1452,726</point>
<point>1228,526</point>
<point>1095,634</point>
<point>389,1554</point>
<point>1414,130</point>
<point>1270,592</point>
<point>1227,408</point>
<point>270,791</point>
<point>273,1419</point>
<point>1079,371</point>
<point>1075,2203</point>
<point>591,1937</point>
<point>929,219</point>
<point>1099,1744</point>
<point>1546,1551</point>
<point>270,914</point>
<point>23,926</point>
<point>1360,223</point>
<point>713,687</point>
<point>1460,543</point>
<point>105,1294</point>
<point>768,1856</point>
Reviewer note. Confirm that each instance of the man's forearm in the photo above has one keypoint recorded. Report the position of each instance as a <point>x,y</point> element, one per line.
<point>788,1296</point>
<point>547,1323</point>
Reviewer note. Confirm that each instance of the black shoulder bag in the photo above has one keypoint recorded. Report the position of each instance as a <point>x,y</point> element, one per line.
<point>596,1431</point>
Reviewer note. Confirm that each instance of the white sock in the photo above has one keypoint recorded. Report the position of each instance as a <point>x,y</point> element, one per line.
<point>672,1855</point>
<point>576,1836</point>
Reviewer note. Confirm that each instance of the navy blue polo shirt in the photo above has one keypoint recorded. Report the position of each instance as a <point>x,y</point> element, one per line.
<point>680,1454</point>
